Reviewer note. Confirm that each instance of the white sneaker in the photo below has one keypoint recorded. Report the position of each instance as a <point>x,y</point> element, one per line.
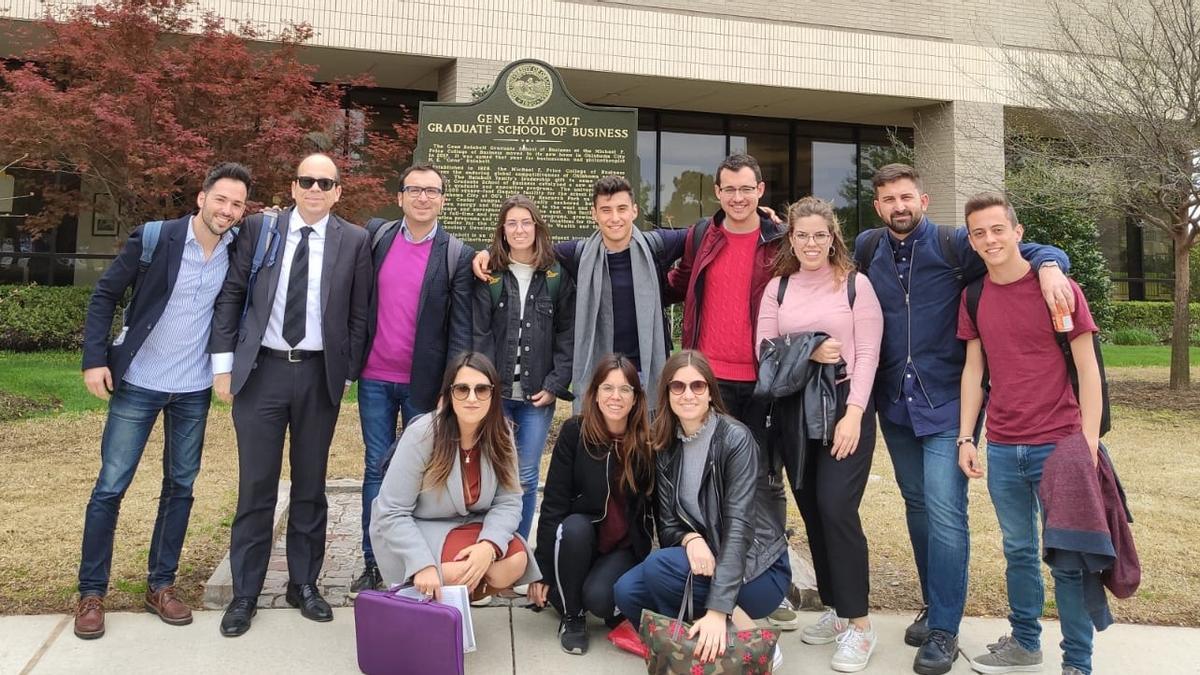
<point>777,660</point>
<point>521,589</point>
<point>485,601</point>
<point>826,629</point>
<point>853,650</point>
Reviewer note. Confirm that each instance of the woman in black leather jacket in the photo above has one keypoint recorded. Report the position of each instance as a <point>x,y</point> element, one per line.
<point>597,518</point>
<point>710,519</point>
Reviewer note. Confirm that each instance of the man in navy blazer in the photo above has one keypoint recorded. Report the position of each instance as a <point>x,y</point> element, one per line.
<point>158,363</point>
<point>417,300</point>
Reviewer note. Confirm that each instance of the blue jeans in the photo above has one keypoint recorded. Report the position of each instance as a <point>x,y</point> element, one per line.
<point>935,505</point>
<point>380,406</point>
<point>132,412</point>
<point>1013,475</point>
<point>657,584</point>
<point>531,426</point>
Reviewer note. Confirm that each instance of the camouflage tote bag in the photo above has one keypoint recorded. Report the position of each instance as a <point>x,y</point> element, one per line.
<point>747,652</point>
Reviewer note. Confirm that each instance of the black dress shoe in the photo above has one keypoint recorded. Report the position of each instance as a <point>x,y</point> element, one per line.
<point>310,602</point>
<point>237,616</point>
<point>936,655</point>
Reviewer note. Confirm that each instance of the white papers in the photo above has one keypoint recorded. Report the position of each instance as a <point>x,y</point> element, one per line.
<point>452,596</point>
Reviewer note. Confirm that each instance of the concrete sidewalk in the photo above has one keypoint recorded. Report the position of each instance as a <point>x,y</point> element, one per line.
<point>511,640</point>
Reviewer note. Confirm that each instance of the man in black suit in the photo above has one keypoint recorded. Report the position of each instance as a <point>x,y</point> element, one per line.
<point>156,364</point>
<point>286,366</point>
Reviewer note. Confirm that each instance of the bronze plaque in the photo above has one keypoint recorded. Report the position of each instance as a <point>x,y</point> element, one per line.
<point>527,135</point>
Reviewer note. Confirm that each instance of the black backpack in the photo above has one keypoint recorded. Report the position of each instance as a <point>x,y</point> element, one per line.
<point>850,291</point>
<point>865,252</point>
<point>975,291</point>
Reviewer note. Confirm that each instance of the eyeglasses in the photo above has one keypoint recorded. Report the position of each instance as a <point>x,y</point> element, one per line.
<point>744,190</point>
<point>518,224</point>
<point>306,183</point>
<point>415,191</point>
<point>609,389</point>
<point>461,391</point>
<point>698,387</point>
<point>819,237</point>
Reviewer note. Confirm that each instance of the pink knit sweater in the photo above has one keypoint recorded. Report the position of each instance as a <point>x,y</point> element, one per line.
<point>812,303</point>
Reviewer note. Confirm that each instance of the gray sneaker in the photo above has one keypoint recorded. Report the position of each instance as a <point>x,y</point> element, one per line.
<point>784,617</point>
<point>827,628</point>
<point>1007,656</point>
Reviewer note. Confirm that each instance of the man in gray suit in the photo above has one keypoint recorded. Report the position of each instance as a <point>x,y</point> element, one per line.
<point>285,366</point>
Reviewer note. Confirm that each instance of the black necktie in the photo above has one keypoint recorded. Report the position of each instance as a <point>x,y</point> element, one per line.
<point>294,313</point>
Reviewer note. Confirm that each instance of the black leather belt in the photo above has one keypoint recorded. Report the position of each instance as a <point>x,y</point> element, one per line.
<point>290,355</point>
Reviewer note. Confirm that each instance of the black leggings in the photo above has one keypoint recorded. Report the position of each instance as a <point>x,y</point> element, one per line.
<point>828,500</point>
<point>584,577</point>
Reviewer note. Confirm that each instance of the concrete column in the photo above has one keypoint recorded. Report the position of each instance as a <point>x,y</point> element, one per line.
<point>959,152</point>
<point>456,80</point>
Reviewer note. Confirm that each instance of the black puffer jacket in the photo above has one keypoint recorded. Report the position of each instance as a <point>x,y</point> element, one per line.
<point>743,509</point>
<point>578,483</point>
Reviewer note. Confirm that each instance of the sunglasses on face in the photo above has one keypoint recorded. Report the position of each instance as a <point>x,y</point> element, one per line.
<point>698,387</point>
<point>461,391</point>
<point>306,183</point>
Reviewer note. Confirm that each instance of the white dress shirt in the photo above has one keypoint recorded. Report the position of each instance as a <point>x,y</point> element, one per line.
<point>313,340</point>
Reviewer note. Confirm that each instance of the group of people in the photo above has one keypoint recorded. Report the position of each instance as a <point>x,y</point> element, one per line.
<point>674,471</point>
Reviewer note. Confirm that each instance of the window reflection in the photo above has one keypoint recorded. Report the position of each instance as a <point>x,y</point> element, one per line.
<point>686,188</point>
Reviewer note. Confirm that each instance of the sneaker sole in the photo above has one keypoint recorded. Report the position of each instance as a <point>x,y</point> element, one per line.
<point>83,635</point>
<point>811,640</point>
<point>785,625</point>
<point>992,670</point>
<point>574,652</point>
<point>931,670</point>
<point>914,640</point>
<point>172,622</point>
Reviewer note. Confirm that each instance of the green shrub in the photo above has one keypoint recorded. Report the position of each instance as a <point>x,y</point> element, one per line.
<point>35,317</point>
<point>1154,317</point>
<point>1135,336</point>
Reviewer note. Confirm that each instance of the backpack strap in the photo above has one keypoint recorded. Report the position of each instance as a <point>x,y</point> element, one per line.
<point>578,254</point>
<point>554,280</point>
<point>695,236</point>
<point>265,250</point>
<point>454,250</point>
<point>974,293</point>
<point>865,252</point>
<point>851,291</point>
<point>945,234</point>
<point>381,230</point>
<point>783,284</point>
<point>150,236</point>
<point>495,287</point>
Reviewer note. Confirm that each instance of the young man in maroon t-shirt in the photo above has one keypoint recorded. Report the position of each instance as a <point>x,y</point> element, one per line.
<point>1032,406</point>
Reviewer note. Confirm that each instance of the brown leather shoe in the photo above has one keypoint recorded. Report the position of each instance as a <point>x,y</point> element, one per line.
<point>168,606</point>
<point>89,617</point>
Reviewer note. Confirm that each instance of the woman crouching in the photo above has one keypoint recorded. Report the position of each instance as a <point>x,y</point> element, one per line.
<point>450,503</point>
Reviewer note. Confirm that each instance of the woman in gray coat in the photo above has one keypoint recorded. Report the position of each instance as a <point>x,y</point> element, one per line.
<point>450,503</point>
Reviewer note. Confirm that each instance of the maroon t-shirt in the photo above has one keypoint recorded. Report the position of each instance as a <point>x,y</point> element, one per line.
<point>613,531</point>
<point>1031,401</point>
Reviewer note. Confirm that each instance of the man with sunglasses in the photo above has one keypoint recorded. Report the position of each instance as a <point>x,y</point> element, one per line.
<point>418,300</point>
<point>285,364</point>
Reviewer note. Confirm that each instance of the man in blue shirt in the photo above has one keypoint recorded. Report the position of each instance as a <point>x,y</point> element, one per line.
<point>158,363</point>
<point>919,269</point>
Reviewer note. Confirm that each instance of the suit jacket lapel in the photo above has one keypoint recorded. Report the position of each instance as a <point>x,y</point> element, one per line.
<point>435,266</point>
<point>333,241</point>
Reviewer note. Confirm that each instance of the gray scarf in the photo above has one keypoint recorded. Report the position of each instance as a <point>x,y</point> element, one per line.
<point>594,314</point>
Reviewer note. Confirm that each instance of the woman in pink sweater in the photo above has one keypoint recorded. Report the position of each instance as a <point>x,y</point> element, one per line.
<point>819,267</point>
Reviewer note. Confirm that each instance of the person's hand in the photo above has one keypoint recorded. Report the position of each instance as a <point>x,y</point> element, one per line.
<point>538,592</point>
<point>542,399</point>
<point>1056,289</point>
<point>479,557</point>
<point>712,636</point>
<point>346,389</point>
<point>222,385</point>
<point>1094,446</point>
<point>428,582</point>
<point>479,265</point>
<point>771,214</point>
<point>846,433</point>
<point>98,381</point>
<point>968,460</point>
<point>828,352</point>
<point>700,557</point>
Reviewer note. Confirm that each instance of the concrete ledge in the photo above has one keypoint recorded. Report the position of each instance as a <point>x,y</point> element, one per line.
<point>218,590</point>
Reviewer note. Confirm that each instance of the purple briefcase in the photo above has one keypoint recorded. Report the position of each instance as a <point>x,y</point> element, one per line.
<point>398,635</point>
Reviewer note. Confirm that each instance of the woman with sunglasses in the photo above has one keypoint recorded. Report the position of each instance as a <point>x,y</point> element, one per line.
<point>713,517</point>
<point>833,474</point>
<point>524,321</point>
<point>448,509</point>
<point>596,520</point>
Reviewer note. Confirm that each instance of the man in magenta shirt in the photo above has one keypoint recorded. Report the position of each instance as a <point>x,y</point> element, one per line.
<point>416,302</point>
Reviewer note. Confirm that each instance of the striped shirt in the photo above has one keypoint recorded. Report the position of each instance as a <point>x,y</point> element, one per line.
<point>173,359</point>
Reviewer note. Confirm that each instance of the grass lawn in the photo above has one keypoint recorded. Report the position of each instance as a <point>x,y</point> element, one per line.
<point>1127,356</point>
<point>50,464</point>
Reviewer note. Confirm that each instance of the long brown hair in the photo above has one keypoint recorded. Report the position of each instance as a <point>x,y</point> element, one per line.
<point>786,262</point>
<point>662,433</point>
<point>543,248</point>
<point>495,436</point>
<point>637,457</point>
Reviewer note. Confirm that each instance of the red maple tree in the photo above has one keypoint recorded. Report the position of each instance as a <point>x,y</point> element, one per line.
<point>139,98</point>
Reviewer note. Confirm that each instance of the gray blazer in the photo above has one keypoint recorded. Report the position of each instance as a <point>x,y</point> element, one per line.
<point>408,526</point>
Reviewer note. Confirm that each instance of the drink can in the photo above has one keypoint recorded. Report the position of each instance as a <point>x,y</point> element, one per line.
<point>1062,319</point>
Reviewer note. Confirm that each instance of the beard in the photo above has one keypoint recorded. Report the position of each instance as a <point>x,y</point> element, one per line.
<point>906,226</point>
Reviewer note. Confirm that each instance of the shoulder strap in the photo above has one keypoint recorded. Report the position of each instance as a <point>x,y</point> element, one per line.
<point>949,250</point>
<point>864,253</point>
<point>453,251</point>
<point>974,293</point>
<point>851,291</point>
<point>655,242</point>
<point>267,243</point>
<point>495,287</point>
<point>150,235</point>
<point>783,284</point>
<point>381,232</point>
<point>696,236</point>
<point>578,255</point>
<point>554,280</point>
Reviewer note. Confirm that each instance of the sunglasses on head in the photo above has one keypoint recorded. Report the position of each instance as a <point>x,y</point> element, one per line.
<point>461,391</point>
<point>698,387</point>
<point>306,183</point>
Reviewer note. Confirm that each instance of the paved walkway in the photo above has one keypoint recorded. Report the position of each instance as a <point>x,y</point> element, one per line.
<point>512,641</point>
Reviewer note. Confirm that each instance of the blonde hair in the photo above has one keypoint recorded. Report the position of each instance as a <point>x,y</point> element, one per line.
<point>786,262</point>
